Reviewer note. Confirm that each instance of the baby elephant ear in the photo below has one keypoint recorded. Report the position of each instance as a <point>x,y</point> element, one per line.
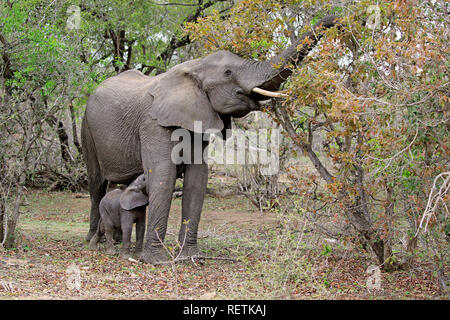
<point>131,199</point>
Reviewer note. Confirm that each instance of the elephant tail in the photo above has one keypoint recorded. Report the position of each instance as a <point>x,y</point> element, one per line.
<point>97,184</point>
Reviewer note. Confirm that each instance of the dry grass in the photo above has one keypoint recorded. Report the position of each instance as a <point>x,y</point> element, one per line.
<point>275,260</point>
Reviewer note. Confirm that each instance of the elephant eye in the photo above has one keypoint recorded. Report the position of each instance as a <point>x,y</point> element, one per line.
<point>228,73</point>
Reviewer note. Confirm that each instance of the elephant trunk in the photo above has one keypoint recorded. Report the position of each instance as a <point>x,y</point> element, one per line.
<point>276,70</point>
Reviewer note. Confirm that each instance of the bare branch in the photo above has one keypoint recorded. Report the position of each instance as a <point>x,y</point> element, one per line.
<point>436,196</point>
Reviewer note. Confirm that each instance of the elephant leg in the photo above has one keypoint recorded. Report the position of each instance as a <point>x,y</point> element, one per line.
<point>109,240</point>
<point>156,151</point>
<point>161,184</point>
<point>194,189</point>
<point>108,225</point>
<point>97,190</point>
<point>126,222</point>
<point>93,243</point>
<point>140,233</point>
<point>97,184</point>
<point>117,236</point>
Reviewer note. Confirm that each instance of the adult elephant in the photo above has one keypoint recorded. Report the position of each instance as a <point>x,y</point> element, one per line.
<point>130,117</point>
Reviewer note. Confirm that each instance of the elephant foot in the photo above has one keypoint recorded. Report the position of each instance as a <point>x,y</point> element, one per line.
<point>155,256</point>
<point>90,234</point>
<point>190,252</point>
<point>93,242</point>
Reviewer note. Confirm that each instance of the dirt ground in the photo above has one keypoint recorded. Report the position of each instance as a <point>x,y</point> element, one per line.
<point>52,260</point>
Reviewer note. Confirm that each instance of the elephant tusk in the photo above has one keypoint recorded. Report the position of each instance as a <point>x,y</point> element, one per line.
<point>269,93</point>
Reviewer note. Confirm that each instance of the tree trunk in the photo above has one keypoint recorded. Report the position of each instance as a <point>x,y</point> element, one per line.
<point>357,213</point>
<point>63,139</point>
<point>2,214</point>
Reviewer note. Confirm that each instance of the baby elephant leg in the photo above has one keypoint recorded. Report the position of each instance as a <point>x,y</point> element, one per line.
<point>140,233</point>
<point>126,221</point>
<point>108,223</point>
<point>109,234</point>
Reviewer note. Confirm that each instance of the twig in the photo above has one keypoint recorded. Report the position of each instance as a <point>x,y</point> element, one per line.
<point>434,199</point>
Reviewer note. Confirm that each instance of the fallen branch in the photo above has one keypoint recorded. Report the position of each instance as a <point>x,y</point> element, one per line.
<point>436,196</point>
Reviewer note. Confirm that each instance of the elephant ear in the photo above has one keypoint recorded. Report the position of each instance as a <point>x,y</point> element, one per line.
<point>179,99</point>
<point>131,199</point>
<point>226,131</point>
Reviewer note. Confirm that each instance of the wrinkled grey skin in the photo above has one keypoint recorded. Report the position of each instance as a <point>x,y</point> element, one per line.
<point>129,120</point>
<point>119,210</point>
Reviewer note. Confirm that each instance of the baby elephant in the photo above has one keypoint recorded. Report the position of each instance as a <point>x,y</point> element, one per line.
<point>119,210</point>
